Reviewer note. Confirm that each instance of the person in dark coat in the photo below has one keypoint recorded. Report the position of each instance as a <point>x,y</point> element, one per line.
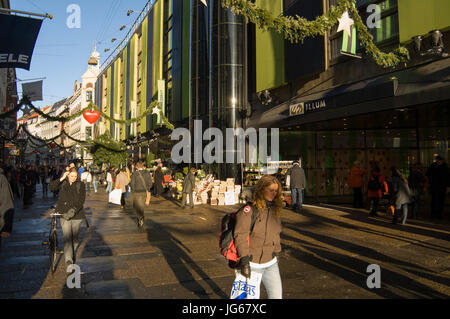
<point>72,194</point>
<point>141,183</point>
<point>28,186</point>
<point>297,185</point>
<point>188,188</point>
<point>402,195</point>
<point>159,180</point>
<point>439,178</point>
<point>417,183</point>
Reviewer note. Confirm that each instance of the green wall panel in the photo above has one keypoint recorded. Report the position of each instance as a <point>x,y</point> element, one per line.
<point>143,66</point>
<point>419,17</point>
<point>108,96</point>
<point>124,92</point>
<point>269,51</point>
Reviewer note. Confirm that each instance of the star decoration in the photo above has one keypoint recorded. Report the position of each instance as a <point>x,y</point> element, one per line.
<point>345,23</point>
<point>155,110</point>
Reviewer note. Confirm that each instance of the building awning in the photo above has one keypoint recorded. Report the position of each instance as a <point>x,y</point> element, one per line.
<point>418,85</point>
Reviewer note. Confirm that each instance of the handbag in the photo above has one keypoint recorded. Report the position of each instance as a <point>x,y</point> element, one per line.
<point>114,196</point>
<point>246,288</point>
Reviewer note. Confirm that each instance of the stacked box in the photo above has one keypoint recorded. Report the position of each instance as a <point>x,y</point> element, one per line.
<point>221,199</point>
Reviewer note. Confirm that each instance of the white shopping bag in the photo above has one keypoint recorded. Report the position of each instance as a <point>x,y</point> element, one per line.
<point>288,180</point>
<point>246,288</point>
<point>114,196</point>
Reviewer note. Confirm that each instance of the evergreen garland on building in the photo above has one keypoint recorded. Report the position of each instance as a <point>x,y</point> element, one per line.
<point>295,29</point>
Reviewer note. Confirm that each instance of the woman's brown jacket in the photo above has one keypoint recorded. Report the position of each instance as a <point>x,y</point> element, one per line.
<point>265,237</point>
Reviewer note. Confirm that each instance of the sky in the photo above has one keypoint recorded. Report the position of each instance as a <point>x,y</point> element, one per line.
<point>61,53</point>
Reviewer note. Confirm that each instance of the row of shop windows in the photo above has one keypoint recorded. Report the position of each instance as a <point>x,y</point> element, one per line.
<point>328,156</point>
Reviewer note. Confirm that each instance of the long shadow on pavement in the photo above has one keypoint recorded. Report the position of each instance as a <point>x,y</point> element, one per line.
<point>353,270</point>
<point>356,215</point>
<point>173,251</point>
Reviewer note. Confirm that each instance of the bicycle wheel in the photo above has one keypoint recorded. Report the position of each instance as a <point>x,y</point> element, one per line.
<point>53,246</point>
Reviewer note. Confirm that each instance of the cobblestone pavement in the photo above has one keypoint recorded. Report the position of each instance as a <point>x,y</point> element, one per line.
<point>326,252</point>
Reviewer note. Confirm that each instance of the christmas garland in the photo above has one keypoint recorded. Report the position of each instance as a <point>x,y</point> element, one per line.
<point>91,107</point>
<point>296,28</point>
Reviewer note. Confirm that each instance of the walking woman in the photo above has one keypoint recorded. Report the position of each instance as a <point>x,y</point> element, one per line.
<point>402,195</point>
<point>72,194</point>
<point>261,254</point>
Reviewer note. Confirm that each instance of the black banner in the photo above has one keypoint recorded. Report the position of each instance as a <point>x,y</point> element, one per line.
<point>17,39</point>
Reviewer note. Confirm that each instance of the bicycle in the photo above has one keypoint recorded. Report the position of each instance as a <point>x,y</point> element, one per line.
<point>53,239</point>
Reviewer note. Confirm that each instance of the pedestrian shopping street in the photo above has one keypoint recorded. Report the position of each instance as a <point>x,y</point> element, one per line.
<point>326,253</point>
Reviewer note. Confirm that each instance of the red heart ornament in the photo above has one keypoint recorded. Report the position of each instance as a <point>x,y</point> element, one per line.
<point>91,116</point>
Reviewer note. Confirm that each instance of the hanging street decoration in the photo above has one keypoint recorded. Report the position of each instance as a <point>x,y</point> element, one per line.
<point>345,24</point>
<point>155,110</point>
<point>91,116</point>
<point>296,29</point>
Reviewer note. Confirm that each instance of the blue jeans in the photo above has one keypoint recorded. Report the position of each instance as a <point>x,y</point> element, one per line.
<point>294,192</point>
<point>95,185</point>
<point>109,187</point>
<point>271,280</point>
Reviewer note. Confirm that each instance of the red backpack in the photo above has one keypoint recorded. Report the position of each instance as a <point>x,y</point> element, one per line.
<point>226,240</point>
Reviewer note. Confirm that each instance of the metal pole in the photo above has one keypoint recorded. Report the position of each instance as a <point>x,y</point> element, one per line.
<point>26,12</point>
<point>190,77</point>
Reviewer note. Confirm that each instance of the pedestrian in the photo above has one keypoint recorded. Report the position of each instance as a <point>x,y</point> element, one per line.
<point>28,186</point>
<point>376,187</point>
<point>188,188</point>
<point>401,195</point>
<point>95,178</point>
<point>86,178</point>
<point>122,182</point>
<point>72,194</point>
<point>141,183</point>
<point>439,178</point>
<point>45,180</point>
<point>355,182</point>
<point>80,170</point>
<point>417,183</point>
<point>159,180</point>
<point>22,180</point>
<point>297,183</point>
<point>259,247</point>
<point>109,180</point>
<point>6,207</point>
